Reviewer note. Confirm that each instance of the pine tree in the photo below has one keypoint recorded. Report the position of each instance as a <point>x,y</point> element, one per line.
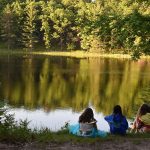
<point>29,38</point>
<point>45,24</point>
<point>8,27</point>
<point>18,11</point>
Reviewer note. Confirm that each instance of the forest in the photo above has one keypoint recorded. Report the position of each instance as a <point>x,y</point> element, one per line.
<point>101,26</point>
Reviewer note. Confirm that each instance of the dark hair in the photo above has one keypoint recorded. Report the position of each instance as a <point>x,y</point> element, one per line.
<point>86,116</point>
<point>117,110</point>
<point>145,108</point>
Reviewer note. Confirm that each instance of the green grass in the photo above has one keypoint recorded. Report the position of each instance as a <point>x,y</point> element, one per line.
<point>24,135</point>
<point>76,54</point>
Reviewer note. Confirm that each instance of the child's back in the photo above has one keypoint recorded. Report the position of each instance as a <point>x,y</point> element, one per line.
<point>117,122</point>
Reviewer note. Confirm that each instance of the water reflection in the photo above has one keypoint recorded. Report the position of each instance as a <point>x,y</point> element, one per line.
<point>54,120</point>
<point>53,83</point>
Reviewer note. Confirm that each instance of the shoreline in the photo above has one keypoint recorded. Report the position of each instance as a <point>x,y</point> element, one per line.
<point>73,54</point>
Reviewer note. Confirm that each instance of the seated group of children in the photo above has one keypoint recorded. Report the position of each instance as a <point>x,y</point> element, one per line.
<point>118,124</point>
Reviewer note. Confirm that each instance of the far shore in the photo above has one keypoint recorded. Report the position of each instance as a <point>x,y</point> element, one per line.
<point>75,54</point>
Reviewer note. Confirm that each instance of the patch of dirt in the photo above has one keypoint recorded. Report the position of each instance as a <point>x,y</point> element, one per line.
<point>127,144</point>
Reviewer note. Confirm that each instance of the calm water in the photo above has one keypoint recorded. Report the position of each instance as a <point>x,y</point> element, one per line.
<point>52,90</point>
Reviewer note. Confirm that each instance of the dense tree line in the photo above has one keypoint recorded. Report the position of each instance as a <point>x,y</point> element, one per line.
<point>114,26</point>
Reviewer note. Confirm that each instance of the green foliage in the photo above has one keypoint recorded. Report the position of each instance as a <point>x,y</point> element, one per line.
<point>11,130</point>
<point>71,46</point>
<point>29,38</point>
<point>135,28</point>
<point>45,24</point>
<point>18,12</point>
<point>96,26</point>
<point>3,3</point>
<point>8,26</point>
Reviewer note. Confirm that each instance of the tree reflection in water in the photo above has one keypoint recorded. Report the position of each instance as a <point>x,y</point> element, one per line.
<point>67,83</point>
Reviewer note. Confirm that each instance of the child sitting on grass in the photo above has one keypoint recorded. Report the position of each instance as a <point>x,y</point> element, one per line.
<point>87,125</point>
<point>142,120</point>
<point>117,122</point>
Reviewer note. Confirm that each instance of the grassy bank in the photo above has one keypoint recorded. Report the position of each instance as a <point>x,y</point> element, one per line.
<point>22,135</point>
<point>75,54</point>
<point>18,132</point>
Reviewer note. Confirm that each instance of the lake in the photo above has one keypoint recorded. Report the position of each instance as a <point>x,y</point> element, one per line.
<point>50,91</point>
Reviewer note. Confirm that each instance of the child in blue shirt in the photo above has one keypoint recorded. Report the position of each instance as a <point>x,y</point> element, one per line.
<point>117,122</point>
